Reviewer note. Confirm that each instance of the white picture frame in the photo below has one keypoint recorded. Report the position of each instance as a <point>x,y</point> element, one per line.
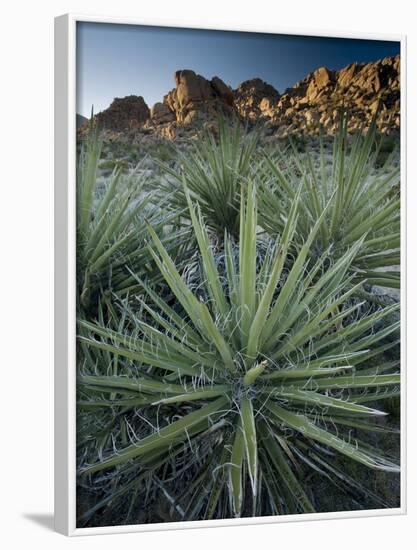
<point>65,288</point>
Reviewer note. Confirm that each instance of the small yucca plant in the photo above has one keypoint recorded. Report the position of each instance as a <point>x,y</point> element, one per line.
<point>111,227</point>
<point>257,376</point>
<point>364,202</point>
<point>213,170</point>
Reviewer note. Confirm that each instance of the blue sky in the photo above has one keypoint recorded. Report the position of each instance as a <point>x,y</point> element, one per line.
<point>116,60</point>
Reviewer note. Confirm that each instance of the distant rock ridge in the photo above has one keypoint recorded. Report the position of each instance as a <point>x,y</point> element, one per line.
<point>311,105</point>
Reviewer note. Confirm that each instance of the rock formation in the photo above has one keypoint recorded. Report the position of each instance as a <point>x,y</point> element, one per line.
<point>310,106</point>
<point>254,99</point>
<point>360,89</point>
<point>124,113</point>
<point>194,102</point>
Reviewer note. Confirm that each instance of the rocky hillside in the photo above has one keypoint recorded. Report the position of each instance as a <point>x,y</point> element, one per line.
<point>311,104</point>
<point>124,113</point>
<point>80,121</point>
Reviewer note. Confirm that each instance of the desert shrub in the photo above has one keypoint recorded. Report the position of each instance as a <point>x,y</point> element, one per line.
<point>299,142</point>
<point>386,148</point>
<point>112,217</point>
<point>117,150</point>
<point>162,151</point>
<point>219,406</point>
<point>114,164</point>
<point>213,170</point>
<point>356,200</point>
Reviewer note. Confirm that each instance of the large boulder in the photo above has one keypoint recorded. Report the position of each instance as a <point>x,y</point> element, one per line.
<point>221,90</point>
<point>322,77</point>
<point>161,113</point>
<point>368,78</point>
<point>345,76</point>
<point>191,88</point>
<point>320,80</point>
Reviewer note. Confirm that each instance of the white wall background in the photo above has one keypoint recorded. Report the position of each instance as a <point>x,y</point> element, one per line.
<point>26,269</point>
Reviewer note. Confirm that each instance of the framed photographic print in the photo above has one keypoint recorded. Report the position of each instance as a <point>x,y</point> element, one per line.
<point>229,298</point>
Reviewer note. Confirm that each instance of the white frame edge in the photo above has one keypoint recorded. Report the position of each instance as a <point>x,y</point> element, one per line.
<point>65,287</point>
<point>65,246</point>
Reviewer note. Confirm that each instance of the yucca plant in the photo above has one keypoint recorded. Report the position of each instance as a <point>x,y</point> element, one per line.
<point>213,170</point>
<point>261,376</point>
<point>111,227</point>
<point>364,202</point>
